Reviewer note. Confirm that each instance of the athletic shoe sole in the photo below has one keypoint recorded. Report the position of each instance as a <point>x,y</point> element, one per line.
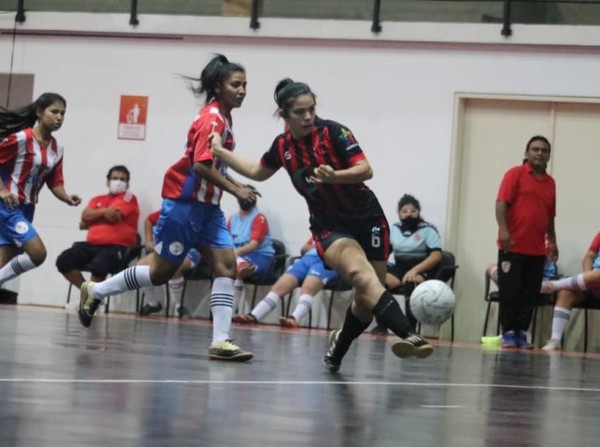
<point>239,357</point>
<point>404,349</point>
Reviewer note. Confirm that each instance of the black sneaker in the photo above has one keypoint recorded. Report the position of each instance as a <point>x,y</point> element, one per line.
<point>330,362</point>
<point>379,330</point>
<point>413,345</point>
<point>87,305</point>
<point>150,309</point>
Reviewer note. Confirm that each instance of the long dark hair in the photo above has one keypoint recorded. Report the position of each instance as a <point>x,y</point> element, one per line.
<point>215,72</point>
<point>287,90</point>
<point>12,121</point>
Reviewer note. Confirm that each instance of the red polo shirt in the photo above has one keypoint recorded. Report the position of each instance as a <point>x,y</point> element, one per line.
<point>122,232</point>
<point>531,205</point>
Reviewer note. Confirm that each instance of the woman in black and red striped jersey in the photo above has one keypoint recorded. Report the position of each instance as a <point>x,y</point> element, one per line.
<point>328,168</point>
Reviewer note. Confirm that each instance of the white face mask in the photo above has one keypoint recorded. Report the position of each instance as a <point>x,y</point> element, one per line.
<point>117,186</point>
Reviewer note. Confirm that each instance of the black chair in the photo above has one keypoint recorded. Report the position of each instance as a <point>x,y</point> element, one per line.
<point>589,303</point>
<point>132,253</point>
<point>335,286</point>
<point>446,272</point>
<point>201,272</point>
<point>493,297</point>
<point>273,271</point>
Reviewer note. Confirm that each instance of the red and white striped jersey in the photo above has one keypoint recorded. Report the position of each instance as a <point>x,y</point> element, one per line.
<point>25,165</point>
<point>181,182</point>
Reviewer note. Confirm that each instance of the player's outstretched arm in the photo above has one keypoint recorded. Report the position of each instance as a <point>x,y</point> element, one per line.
<point>248,168</point>
<point>211,175</point>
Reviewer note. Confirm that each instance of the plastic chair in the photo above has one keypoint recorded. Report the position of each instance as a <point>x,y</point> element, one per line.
<point>446,272</point>
<point>201,272</point>
<point>586,305</point>
<point>494,297</point>
<point>132,253</point>
<point>338,285</point>
<point>273,271</point>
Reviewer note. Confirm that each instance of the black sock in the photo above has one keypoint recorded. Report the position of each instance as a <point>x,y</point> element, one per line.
<point>389,313</point>
<point>351,329</point>
<point>410,317</point>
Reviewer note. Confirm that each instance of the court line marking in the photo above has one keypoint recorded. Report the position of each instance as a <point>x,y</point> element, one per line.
<point>442,406</point>
<point>298,382</point>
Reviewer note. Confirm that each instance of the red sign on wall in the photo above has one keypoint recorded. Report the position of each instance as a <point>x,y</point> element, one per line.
<point>133,113</point>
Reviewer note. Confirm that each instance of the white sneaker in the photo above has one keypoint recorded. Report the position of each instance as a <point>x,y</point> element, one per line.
<point>552,345</point>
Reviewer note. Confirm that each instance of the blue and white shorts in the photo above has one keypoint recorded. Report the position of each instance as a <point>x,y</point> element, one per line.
<point>15,224</point>
<point>182,226</point>
<point>311,264</point>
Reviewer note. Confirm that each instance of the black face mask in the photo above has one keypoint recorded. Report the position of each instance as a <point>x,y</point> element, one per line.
<point>410,224</point>
<point>246,205</point>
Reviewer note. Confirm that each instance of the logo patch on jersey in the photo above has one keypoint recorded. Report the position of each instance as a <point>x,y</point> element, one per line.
<point>304,181</point>
<point>505,266</point>
<point>287,155</point>
<point>176,248</point>
<point>348,137</point>
<point>21,227</point>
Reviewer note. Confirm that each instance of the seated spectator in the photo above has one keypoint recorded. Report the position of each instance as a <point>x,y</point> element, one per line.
<point>175,284</point>
<point>309,271</point>
<point>253,247</point>
<point>573,290</point>
<point>111,220</point>
<point>417,253</point>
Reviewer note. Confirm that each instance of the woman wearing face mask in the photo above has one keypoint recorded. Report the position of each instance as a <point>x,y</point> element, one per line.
<point>249,229</point>
<point>328,168</point>
<point>417,250</point>
<point>29,157</point>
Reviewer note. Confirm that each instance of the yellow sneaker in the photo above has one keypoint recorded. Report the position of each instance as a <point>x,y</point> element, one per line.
<point>88,304</point>
<point>227,350</point>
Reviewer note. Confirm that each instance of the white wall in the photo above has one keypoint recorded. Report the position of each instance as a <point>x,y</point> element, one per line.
<point>395,92</point>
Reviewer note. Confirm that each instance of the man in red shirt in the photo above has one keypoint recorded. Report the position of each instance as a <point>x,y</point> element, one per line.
<point>112,221</point>
<point>525,211</point>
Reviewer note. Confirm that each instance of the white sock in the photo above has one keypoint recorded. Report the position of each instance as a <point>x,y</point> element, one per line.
<point>129,279</point>
<point>176,290</point>
<point>238,292</point>
<point>221,306</point>
<point>266,306</point>
<point>303,307</point>
<point>17,266</point>
<point>569,283</point>
<point>560,318</point>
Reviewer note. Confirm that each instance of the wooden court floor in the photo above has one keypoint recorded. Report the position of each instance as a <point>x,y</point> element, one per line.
<point>128,381</point>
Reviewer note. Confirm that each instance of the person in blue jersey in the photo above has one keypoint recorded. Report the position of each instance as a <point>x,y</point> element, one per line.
<point>328,168</point>
<point>252,243</point>
<point>310,273</point>
<point>417,251</point>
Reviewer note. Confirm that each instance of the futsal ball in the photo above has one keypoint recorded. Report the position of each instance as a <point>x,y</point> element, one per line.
<point>432,302</point>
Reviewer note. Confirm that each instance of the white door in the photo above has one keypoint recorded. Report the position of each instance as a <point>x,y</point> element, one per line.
<point>490,138</point>
<point>494,134</point>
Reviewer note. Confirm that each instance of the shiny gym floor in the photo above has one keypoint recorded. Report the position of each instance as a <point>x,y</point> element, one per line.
<point>130,381</point>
